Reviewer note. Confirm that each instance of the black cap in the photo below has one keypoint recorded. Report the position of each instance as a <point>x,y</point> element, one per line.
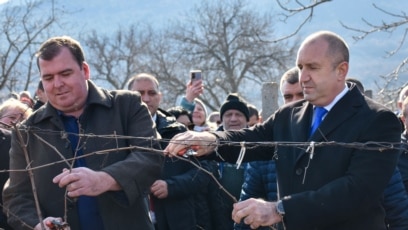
<point>235,102</point>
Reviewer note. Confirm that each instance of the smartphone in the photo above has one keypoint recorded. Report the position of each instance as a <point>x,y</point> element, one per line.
<point>195,75</point>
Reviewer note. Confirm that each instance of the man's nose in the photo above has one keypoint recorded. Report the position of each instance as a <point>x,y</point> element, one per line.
<point>58,82</point>
<point>304,76</point>
<point>145,97</point>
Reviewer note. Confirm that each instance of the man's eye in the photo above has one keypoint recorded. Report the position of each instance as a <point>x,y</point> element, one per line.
<point>46,78</point>
<point>66,73</point>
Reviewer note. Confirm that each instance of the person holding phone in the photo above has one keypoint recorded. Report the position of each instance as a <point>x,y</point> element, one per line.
<point>195,106</point>
<point>194,89</point>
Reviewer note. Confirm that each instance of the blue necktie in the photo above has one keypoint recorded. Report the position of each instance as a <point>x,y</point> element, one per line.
<point>318,115</point>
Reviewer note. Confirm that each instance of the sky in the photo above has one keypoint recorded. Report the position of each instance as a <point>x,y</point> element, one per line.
<point>367,57</point>
<point>367,60</point>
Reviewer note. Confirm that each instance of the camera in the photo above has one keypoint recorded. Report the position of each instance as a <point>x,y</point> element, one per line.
<point>195,75</point>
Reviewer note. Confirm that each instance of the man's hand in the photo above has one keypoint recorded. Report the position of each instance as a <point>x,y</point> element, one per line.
<point>84,181</point>
<point>256,213</point>
<point>50,224</point>
<point>159,189</point>
<point>205,143</point>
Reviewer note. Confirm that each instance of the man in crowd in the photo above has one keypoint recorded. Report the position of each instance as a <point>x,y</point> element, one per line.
<point>234,115</point>
<point>84,144</point>
<point>254,115</point>
<point>180,181</point>
<point>290,87</point>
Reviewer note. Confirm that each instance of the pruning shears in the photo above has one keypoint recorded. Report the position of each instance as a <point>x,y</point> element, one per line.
<point>189,151</point>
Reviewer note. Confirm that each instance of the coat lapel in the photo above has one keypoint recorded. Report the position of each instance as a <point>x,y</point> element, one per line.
<point>343,110</point>
<point>302,118</point>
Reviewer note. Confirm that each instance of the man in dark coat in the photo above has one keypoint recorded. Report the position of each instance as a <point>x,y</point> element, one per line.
<point>175,194</point>
<point>86,148</point>
<point>331,185</point>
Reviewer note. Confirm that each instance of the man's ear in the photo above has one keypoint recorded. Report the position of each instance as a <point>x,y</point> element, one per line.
<point>87,71</point>
<point>161,96</point>
<point>342,70</point>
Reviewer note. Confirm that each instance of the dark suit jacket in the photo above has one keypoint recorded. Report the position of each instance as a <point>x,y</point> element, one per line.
<point>342,186</point>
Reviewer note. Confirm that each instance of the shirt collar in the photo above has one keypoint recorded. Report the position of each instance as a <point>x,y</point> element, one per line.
<point>337,98</point>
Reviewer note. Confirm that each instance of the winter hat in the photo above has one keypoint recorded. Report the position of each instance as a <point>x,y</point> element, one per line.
<point>235,102</point>
<point>198,101</point>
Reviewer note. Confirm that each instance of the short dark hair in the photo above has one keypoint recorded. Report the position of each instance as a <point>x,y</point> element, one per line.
<point>253,111</point>
<point>177,111</point>
<point>291,76</point>
<point>40,86</point>
<point>53,46</point>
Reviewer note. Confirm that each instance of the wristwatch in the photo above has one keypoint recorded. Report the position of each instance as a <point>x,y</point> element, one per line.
<point>279,208</point>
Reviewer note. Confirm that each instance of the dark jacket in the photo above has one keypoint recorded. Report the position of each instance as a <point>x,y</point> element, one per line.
<point>396,203</point>
<point>5,142</point>
<point>340,187</point>
<point>260,182</point>
<point>37,105</point>
<point>231,180</point>
<point>121,120</point>
<point>167,126</point>
<point>184,182</point>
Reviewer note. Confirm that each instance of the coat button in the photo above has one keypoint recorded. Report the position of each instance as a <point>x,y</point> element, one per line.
<point>299,171</point>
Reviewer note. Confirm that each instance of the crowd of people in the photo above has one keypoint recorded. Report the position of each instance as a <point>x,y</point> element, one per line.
<point>105,167</point>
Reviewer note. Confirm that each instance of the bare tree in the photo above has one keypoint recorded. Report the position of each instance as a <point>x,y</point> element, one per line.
<point>394,22</point>
<point>229,42</point>
<point>21,31</point>
<point>114,58</point>
<point>293,8</point>
<point>166,61</point>
<point>388,85</point>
